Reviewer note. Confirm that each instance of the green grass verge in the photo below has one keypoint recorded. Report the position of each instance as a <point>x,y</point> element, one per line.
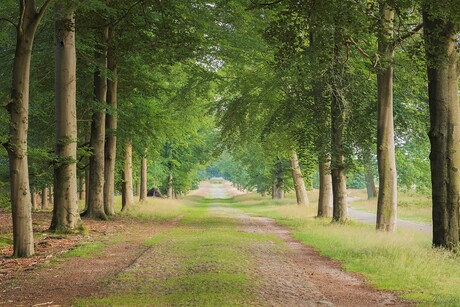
<point>204,261</point>
<point>86,250</point>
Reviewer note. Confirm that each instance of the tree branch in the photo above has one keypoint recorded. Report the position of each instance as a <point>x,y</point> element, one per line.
<point>408,34</point>
<point>9,21</point>
<point>43,9</point>
<point>361,50</point>
<point>259,5</point>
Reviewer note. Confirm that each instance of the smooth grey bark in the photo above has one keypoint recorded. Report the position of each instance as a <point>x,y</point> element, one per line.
<point>143,180</point>
<point>170,193</point>
<point>110,128</point>
<point>127,199</point>
<point>45,197</point>
<point>65,211</point>
<point>95,191</point>
<point>387,201</point>
<point>82,192</point>
<point>279,180</point>
<point>442,59</point>
<point>299,183</point>
<point>325,189</point>
<point>339,185</point>
<point>16,146</point>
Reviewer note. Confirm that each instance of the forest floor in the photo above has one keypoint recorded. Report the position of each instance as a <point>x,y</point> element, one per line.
<point>210,254</point>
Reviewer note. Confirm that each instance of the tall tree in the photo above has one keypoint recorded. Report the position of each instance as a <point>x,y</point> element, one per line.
<point>65,212</point>
<point>95,192</point>
<point>299,183</point>
<point>111,124</point>
<point>325,189</point>
<point>339,184</point>
<point>387,203</point>
<point>127,197</point>
<point>18,108</point>
<point>441,34</point>
<point>143,179</point>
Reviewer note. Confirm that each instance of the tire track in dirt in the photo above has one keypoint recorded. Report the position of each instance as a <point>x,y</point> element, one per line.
<point>297,268</point>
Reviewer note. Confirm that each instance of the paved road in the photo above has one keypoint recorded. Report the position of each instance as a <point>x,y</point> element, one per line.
<point>370,218</point>
<point>223,191</point>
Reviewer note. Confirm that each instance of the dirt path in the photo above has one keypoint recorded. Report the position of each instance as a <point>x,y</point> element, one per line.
<point>297,275</point>
<point>61,282</point>
<point>286,272</point>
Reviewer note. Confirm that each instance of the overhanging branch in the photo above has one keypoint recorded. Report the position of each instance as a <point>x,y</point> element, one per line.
<point>260,5</point>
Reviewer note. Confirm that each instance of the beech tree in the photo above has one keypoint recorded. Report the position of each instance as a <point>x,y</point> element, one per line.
<point>441,28</point>
<point>111,125</point>
<point>386,206</point>
<point>65,213</point>
<point>18,108</point>
<point>95,206</point>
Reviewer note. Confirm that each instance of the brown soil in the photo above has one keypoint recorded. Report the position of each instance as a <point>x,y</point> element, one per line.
<point>299,276</point>
<point>31,281</point>
<point>289,274</point>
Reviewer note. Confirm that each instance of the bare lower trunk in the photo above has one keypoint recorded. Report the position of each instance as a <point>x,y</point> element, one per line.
<point>274,189</point>
<point>18,108</point>
<point>325,189</point>
<point>370,185</point>
<point>65,211</point>
<point>45,196</point>
<point>170,186</point>
<point>82,194</point>
<point>51,195</point>
<point>279,193</point>
<point>127,188</point>
<point>299,183</point>
<point>442,59</point>
<point>34,201</point>
<point>279,180</point>
<point>96,161</point>
<point>369,176</point>
<point>110,130</point>
<point>339,186</point>
<point>386,205</point>
<point>143,185</point>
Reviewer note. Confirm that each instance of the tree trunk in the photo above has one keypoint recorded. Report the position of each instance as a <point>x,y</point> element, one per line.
<point>442,59</point>
<point>127,199</point>
<point>82,195</point>
<point>45,196</point>
<point>18,108</point>
<point>325,189</point>
<point>274,189</point>
<point>369,175</point>
<point>65,210</point>
<point>96,161</point>
<point>170,186</point>
<point>143,185</point>
<point>299,183</point>
<point>34,201</point>
<point>370,185</point>
<point>387,204</point>
<point>339,185</point>
<point>279,180</point>
<point>110,129</point>
<point>51,195</point>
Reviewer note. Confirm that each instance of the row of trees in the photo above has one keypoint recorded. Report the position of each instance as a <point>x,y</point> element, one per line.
<point>130,80</point>
<point>289,81</point>
<point>320,78</point>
